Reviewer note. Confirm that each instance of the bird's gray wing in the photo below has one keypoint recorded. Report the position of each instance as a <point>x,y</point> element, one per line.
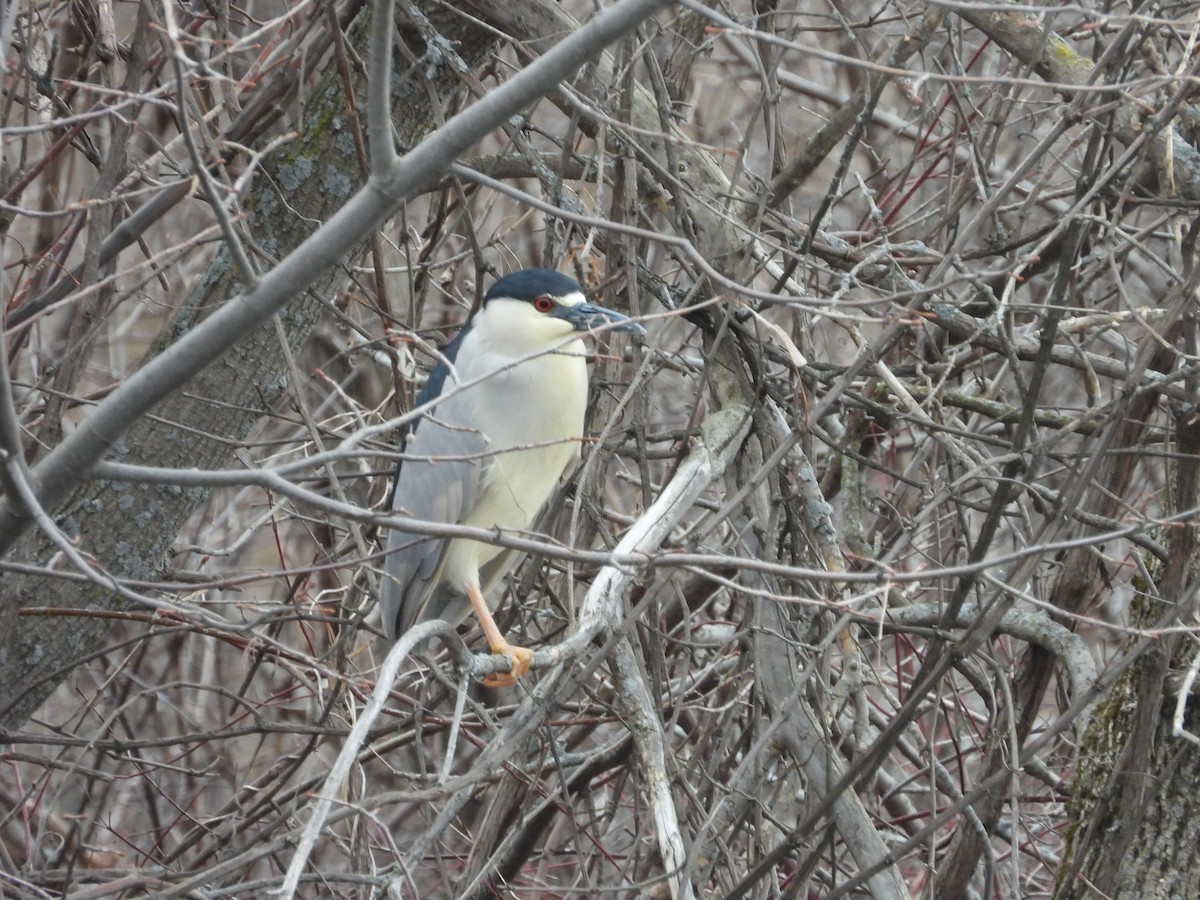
<point>436,482</point>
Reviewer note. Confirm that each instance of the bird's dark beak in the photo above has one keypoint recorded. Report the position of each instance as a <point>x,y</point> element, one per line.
<point>589,317</point>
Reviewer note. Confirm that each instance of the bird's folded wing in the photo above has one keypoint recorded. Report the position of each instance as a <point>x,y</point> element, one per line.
<point>436,482</point>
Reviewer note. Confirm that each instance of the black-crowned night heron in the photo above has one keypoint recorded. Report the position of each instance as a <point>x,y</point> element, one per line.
<point>510,397</point>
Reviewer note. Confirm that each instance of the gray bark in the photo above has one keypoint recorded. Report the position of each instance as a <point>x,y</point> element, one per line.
<point>128,528</point>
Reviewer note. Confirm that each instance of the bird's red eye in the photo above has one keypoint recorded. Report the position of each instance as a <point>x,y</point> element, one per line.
<point>543,304</point>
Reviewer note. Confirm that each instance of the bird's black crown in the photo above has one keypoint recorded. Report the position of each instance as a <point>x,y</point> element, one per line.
<point>529,284</point>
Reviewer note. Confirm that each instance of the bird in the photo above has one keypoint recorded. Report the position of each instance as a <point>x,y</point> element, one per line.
<point>500,421</point>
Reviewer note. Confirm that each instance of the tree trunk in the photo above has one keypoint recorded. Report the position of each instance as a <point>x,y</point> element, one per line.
<point>128,529</point>
<point>1134,827</point>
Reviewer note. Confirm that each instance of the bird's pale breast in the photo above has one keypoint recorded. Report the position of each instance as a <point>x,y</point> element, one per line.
<point>533,444</point>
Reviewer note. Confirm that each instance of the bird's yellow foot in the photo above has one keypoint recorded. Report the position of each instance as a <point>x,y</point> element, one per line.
<point>521,658</point>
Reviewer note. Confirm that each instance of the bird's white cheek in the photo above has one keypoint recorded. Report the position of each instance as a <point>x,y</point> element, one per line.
<point>516,328</point>
<point>549,329</point>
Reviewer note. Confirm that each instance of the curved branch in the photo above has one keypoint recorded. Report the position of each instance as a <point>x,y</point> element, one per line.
<point>71,461</point>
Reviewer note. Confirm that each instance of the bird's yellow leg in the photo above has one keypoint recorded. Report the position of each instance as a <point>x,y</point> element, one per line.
<point>521,656</point>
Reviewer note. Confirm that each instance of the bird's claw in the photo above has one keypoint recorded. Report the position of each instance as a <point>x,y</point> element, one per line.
<point>521,658</point>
